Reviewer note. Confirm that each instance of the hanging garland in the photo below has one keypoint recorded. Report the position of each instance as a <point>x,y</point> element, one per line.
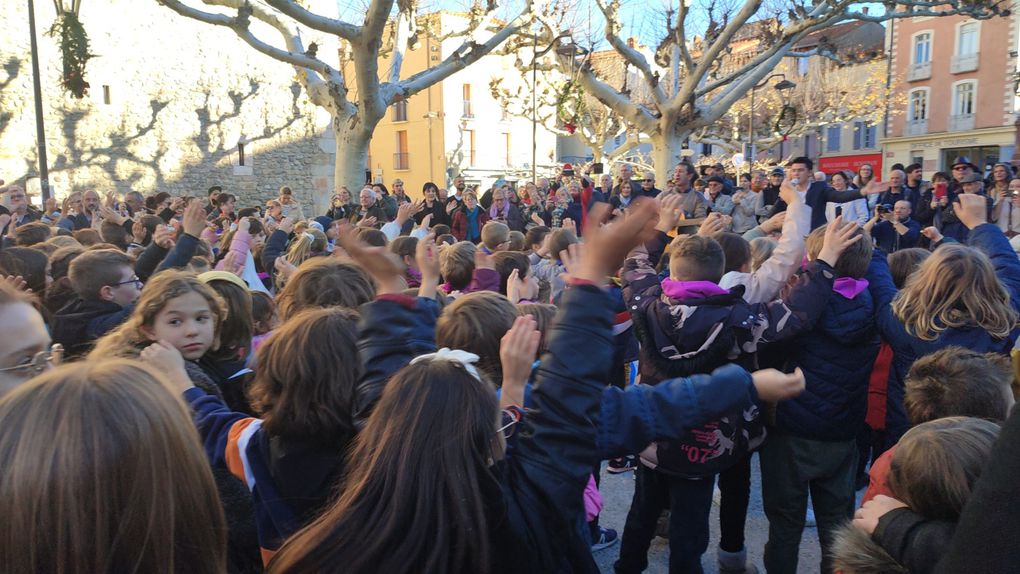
<point>74,47</point>
<point>786,121</point>
<point>570,105</point>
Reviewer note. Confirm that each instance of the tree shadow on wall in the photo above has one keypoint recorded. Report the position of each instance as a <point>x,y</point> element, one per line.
<point>208,125</point>
<point>13,69</point>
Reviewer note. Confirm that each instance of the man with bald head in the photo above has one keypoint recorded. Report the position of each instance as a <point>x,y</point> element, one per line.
<point>74,220</point>
<point>898,190</point>
<point>894,230</point>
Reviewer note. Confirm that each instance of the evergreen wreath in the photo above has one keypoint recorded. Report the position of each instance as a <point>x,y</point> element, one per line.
<point>74,47</point>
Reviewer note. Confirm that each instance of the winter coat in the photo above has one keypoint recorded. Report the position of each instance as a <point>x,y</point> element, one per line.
<point>459,228</point>
<point>907,348</point>
<point>697,335</point>
<point>438,211</point>
<point>836,357</point>
<point>79,324</point>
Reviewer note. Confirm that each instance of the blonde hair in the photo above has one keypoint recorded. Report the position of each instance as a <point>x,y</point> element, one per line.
<point>457,264</point>
<point>127,339</point>
<point>103,471</point>
<point>309,241</point>
<point>954,288</point>
<point>761,250</point>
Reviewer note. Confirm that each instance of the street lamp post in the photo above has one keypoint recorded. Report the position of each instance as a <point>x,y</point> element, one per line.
<point>534,91</point>
<point>782,86</point>
<point>40,133</point>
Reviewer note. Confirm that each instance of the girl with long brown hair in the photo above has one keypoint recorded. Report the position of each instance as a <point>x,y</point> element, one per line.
<point>101,471</point>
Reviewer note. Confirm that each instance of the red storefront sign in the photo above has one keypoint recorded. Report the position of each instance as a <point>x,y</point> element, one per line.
<point>850,162</point>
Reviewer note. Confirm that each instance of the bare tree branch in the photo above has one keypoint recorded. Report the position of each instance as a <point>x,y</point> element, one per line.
<point>347,31</point>
<point>631,55</point>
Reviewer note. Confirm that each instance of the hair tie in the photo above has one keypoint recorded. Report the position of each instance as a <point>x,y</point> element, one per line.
<point>464,358</point>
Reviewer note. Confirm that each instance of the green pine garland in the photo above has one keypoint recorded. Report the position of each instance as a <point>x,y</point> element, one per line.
<point>74,46</point>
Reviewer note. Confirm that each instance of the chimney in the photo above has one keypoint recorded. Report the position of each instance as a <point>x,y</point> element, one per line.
<point>632,42</point>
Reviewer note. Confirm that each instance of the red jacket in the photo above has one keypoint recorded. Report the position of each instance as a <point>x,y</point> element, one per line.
<point>459,227</point>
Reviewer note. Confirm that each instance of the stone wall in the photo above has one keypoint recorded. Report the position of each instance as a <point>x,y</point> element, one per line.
<point>170,100</point>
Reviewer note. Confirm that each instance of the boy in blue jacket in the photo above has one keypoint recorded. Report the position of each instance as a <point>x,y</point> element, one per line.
<point>813,445</point>
<point>689,325</point>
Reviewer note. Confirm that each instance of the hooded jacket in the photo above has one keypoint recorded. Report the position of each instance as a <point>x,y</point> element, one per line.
<point>836,357</point>
<point>699,333</point>
<point>81,322</point>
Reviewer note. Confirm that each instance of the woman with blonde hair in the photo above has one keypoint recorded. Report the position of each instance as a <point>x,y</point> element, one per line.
<point>101,470</point>
<point>960,296</point>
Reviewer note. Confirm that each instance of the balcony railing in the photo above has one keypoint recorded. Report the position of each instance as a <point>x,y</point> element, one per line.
<point>468,110</point>
<point>401,161</point>
<point>916,127</point>
<point>919,72</point>
<point>964,63</point>
<point>961,123</point>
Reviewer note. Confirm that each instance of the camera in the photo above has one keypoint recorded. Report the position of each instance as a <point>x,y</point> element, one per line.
<point>885,208</point>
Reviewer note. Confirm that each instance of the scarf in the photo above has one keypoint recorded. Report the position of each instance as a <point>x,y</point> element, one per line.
<point>849,287</point>
<point>691,289</point>
<point>496,213</point>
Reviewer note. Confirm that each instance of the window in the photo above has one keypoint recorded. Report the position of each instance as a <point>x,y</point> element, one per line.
<point>917,109</point>
<point>922,48</point>
<point>240,153</point>
<point>963,98</point>
<point>967,39</point>
<point>469,136</point>
<point>106,95</point>
<point>864,135</point>
<point>401,159</point>
<point>468,112</point>
<point>802,66</point>
<point>832,135</point>
<point>400,111</point>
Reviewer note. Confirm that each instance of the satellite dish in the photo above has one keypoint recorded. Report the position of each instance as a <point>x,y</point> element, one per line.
<point>738,159</point>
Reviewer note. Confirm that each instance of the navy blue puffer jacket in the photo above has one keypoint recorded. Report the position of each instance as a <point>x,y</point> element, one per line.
<point>837,357</point>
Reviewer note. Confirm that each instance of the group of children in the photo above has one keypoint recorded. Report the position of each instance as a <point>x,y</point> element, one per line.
<point>298,396</point>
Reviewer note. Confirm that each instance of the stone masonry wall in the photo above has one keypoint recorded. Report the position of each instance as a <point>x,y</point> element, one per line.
<point>170,99</point>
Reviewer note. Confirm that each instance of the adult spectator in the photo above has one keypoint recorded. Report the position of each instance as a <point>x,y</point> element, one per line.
<point>399,194</point>
<point>457,198</point>
<point>894,230</point>
<point>605,185</point>
<point>1006,214</point>
<point>75,219</point>
<point>505,212</point>
<point>915,180</point>
<point>898,190</point>
<point>135,203</point>
<point>225,205</point>
<point>852,211</point>
<point>213,193</point>
<point>20,211</point>
<point>291,207</point>
<point>718,202</point>
<point>369,212</point>
<point>769,198</point>
<point>621,201</point>
<point>626,173</point>
<point>820,176</point>
<point>648,188</point>
<point>432,206</point>
<point>745,201</point>
<point>385,200</point>
<point>469,220</point>
<point>962,168</point>
<point>817,193</point>
<point>694,205</point>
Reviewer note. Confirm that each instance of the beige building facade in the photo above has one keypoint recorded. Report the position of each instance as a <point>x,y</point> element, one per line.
<point>956,76</point>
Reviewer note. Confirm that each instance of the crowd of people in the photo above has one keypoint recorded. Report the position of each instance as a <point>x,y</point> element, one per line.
<point>436,383</point>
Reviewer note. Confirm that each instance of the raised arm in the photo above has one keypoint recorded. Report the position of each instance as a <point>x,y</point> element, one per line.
<point>765,283</point>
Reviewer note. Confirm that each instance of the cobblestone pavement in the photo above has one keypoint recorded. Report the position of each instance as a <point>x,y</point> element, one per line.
<point>617,490</point>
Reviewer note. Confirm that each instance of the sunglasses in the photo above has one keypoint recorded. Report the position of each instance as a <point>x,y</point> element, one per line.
<point>40,361</point>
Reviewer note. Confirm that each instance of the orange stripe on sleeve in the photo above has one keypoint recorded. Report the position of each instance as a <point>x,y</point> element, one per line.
<point>233,454</point>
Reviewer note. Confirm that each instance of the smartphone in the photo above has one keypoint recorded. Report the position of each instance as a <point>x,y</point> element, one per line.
<point>941,189</point>
<point>839,210</point>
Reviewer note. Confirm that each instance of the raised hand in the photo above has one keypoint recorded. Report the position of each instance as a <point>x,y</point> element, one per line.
<point>286,225</point>
<point>244,224</point>
<point>194,219</point>
<point>517,351</point>
<point>774,223</point>
<point>234,262</point>
<point>163,236</point>
<point>867,516</point>
<point>874,187</point>
<point>426,256</point>
<point>166,359</point>
<point>384,266</point>
<point>109,214</point>
<point>972,209</point>
<point>606,246</point>
<point>537,219</point>
<point>774,386</point>
<point>568,223</point>
<point>285,268</point>
<point>669,212</point>
<point>714,223</point>
<point>837,238</point>
<point>571,258</point>
<point>369,221</point>
<point>16,281</point>
<point>426,222</point>
<point>788,193</point>
<point>932,233</point>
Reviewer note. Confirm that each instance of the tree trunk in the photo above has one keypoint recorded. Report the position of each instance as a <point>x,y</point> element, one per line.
<point>666,146</point>
<point>351,161</point>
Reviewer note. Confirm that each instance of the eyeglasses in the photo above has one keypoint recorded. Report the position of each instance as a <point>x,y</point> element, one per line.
<point>649,181</point>
<point>135,280</point>
<point>40,361</point>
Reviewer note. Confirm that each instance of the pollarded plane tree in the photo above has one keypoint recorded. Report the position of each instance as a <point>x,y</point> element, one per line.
<point>706,88</point>
<point>357,95</point>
